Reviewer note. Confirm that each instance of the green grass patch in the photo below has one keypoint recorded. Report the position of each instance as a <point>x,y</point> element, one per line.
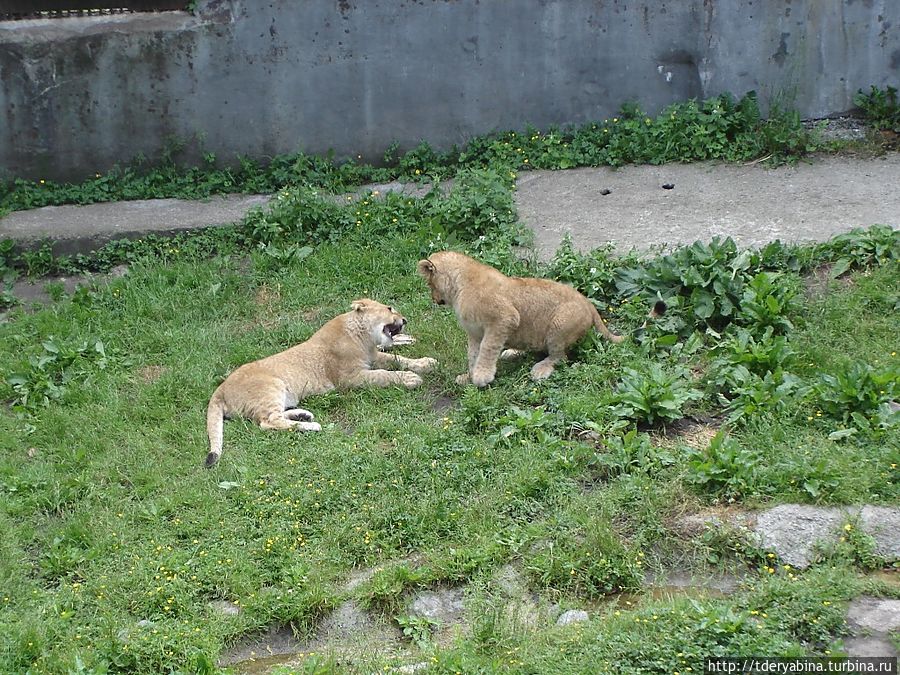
<point>118,540</point>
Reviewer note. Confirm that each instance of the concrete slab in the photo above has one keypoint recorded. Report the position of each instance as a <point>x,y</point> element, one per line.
<point>753,204</point>
<point>77,229</point>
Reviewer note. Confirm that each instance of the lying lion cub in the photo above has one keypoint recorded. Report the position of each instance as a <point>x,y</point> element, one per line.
<point>339,355</point>
<point>497,311</point>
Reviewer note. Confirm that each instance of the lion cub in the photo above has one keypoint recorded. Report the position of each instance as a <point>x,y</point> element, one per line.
<point>340,354</point>
<point>498,311</point>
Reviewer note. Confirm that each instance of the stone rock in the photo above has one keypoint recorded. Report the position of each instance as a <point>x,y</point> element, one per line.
<point>793,530</point>
<point>879,615</point>
<point>444,605</point>
<point>345,621</point>
<point>572,616</point>
<point>410,668</point>
<point>696,523</point>
<point>883,524</point>
<point>510,581</point>
<point>872,645</point>
<point>225,607</point>
<point>870,620</point>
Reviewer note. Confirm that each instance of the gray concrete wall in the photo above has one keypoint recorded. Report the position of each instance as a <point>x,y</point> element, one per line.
<point>79,95</point>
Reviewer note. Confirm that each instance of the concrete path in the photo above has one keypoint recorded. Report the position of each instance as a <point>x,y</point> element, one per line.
<point>751,203</point>
<point>78,229</point>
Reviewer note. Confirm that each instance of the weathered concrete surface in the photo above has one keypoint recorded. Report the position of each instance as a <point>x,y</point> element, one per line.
<point>752,204</point>
<point>347,629</point>
<point>445,605</point>
<point>76,229</point>
<point>82,94</point>
<point>870,621</point>
<point>794,531</point>
<point>883,523</point>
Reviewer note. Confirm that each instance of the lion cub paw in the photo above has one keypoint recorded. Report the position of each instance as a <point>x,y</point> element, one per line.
<point>423,365</point>
<point>299,415</point>
<point>463,379</point>
<point>541,371</point>
<point>409,379</point>
<point>482,379</point>
<point>308,426</point>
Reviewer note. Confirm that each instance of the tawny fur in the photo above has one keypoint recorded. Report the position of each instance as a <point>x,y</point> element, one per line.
<point>341,354</point>
<point>497,311</point>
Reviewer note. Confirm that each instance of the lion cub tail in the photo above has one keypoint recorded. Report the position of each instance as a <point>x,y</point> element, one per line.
<point>600,326</point>
<point>215,423</point>
<point>658,309</point>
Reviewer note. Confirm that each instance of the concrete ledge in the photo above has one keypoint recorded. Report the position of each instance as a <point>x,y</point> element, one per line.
<point>79,229</point>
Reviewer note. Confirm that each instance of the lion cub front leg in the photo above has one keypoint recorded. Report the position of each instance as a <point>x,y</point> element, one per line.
<point>421,366</point>
<point>474,345</point>
<point>488,353</point>
<point>387,378</point>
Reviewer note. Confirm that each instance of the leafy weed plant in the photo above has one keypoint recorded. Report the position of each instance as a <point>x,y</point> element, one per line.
<point>654,396</point>
<point>881,107</point>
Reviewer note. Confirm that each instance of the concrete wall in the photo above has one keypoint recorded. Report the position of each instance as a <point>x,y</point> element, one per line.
<point>79,95</point>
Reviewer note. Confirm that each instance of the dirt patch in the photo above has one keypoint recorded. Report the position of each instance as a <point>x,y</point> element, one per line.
<point>442,404</point>
<point>348,631</point>
<point>36,293</point>
<point>151,374</point>
<point>688,431</point>
<point>266,296</point>
<point>817,282</point>
<point>311,315</point>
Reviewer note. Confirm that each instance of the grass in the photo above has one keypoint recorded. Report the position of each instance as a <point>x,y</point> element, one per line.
<point>117,539</point>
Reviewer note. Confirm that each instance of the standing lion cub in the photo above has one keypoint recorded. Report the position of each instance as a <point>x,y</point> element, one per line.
<point>498,311</point>
<point>340,354</point>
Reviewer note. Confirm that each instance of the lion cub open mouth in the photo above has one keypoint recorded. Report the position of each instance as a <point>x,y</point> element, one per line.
<point>341,354</point>
<point>393,329</point>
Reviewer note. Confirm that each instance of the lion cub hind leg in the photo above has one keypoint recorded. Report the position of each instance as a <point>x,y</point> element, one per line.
<point>275,410</point>
<point>278,421</point>
<point>568,326</point>
<point>299,415</point>
<point>544,369</point>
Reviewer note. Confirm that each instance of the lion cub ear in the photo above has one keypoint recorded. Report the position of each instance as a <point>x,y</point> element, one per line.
<point>359,305</point>
<point>425,268</point>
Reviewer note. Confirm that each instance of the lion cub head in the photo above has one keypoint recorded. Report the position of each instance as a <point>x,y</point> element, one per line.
<point>440,272</point>
<point>381,322</point>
